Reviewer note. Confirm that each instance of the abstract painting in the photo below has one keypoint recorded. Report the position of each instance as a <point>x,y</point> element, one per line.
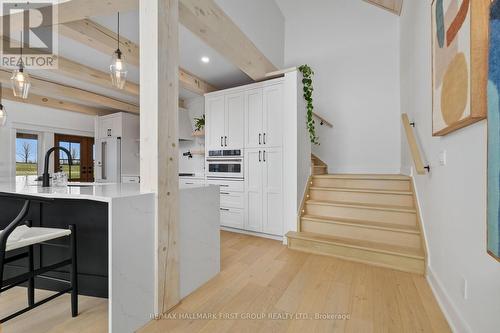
<point>459,64</point>
<point>494,132</point>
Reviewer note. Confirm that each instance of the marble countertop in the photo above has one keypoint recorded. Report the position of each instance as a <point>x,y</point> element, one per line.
<point>84,191</point>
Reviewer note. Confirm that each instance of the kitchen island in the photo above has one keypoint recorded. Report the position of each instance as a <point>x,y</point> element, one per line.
<point>116,242</point>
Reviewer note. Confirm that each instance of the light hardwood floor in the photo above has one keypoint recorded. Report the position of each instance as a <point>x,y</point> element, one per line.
<point>262,277</point>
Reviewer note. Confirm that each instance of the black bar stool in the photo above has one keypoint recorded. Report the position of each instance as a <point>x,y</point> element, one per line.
<point>19,234</point>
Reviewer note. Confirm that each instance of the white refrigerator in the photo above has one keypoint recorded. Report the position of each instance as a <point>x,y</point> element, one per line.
<point>117,160</point>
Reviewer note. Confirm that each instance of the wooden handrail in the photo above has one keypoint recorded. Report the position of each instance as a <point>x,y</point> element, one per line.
<point>323,120</point>
<point>412,142</point>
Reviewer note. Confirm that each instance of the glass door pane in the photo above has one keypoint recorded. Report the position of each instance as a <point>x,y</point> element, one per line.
<point>81,149</point>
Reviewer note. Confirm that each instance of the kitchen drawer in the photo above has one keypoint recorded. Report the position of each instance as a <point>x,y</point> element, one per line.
<point>228,185</point>
<point>191,183</point>
<point>232,217</point>
<point>131,180</point>
<point>232,199</point>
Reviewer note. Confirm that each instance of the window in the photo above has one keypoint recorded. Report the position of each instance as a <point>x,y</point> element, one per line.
<point>81,149</point>
<point>26,154</point>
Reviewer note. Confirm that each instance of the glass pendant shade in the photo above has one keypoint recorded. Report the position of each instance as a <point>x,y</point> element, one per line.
<point>3,115</point>
<point>20,83</point>
<point>118,70</point>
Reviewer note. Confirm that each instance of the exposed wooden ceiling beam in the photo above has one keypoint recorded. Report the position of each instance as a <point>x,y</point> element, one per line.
<point>209,22</point>
<point>75,10</point>
<point>86,74</point>
<point>90,75</point>
<point>55,103</point>
<point>394,6</point>
<point>42,86</point>
<point>104,40</point>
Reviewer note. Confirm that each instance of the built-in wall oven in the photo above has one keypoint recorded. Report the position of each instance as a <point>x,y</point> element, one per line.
<point>225,164</point>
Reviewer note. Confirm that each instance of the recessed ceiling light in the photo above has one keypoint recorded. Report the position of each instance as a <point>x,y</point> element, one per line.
<point>205,60</point>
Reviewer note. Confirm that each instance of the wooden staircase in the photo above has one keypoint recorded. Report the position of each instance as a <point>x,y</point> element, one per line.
<point>365,218</point>
<point>318,167</point>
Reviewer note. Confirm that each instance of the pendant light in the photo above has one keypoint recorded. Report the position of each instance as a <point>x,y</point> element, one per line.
<point>118,68</point>
<point>3,112</point>
<point>20,79</point>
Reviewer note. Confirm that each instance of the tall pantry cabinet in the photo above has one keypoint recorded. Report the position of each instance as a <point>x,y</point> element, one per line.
<point>252,117</point>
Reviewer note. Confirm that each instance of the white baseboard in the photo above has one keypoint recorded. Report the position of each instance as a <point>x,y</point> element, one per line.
<point>456,322</point>
<point>252,233</point>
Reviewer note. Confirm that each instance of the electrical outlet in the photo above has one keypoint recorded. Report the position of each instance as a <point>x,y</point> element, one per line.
<point>465,288</point>
<point>442,158</point>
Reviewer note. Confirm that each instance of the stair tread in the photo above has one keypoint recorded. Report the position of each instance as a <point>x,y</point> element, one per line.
<point>364,223</point>
<point>363,205</point>
<point>359,190</point>
<point>366,176</point>
<point>361,244</point>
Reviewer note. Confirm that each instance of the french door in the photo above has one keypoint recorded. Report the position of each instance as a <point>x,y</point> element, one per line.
<point>82,153</point>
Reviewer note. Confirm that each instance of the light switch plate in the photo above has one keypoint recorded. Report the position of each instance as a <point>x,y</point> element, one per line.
<point>442,158</point>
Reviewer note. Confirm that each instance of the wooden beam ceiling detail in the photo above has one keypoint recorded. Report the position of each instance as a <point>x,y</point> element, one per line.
<point>75,10</point>
<point>209,22</point>
<point>55,103</point>
<point>104,40</point>
<point>42,86</point>
<point>394,6</point>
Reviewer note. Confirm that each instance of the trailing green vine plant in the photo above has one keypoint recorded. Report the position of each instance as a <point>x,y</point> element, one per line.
<point>308,74</point>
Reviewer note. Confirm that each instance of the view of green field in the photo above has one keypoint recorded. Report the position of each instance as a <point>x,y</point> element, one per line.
<point>26,169</point>
<point>31,169</point>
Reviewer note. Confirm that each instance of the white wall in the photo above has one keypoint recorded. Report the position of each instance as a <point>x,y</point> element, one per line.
<point>262,22</point>
<point>196,108</point>
<point>354,49</point>
<point>46,122</point>
<point>452,197</point>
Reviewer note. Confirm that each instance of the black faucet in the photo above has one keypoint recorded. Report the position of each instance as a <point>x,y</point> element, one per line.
<point>45,176</point>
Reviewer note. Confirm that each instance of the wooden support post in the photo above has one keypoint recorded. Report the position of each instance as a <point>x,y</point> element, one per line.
<point>159,95</point>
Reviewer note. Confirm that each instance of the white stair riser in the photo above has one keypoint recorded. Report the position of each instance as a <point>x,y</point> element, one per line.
<point>372,184</point>
<point>402,200</point>
<point>383,216</point>
<point>406,264</point>
<point>360,233</point>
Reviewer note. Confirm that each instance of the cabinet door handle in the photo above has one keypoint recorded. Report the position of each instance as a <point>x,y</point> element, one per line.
<point>225,209</point>
<point>260,156</point>
<point>225,141</point>
<point>264,138</point>
<point>264,155</point>
<point>225,193</point>
<point>221,144</point>
<point>260,138</point>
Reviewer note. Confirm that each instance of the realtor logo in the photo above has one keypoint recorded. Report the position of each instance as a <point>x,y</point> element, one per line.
<point>29,34</point>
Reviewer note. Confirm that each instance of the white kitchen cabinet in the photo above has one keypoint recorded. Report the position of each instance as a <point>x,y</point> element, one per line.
<point>254,118</point>
<point>118,125</point>
<point>273,116</point>
<point>232,205</point>
<point>225,116</point>
<point>272,191</point>
<point>232,217</point>
<point>254,175</point>
<point>191,183</point>
<point>109,127</point>
<point>215,128</point>
<point>235,121</point>
<point>264,117</point>
<point>264,190</point>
